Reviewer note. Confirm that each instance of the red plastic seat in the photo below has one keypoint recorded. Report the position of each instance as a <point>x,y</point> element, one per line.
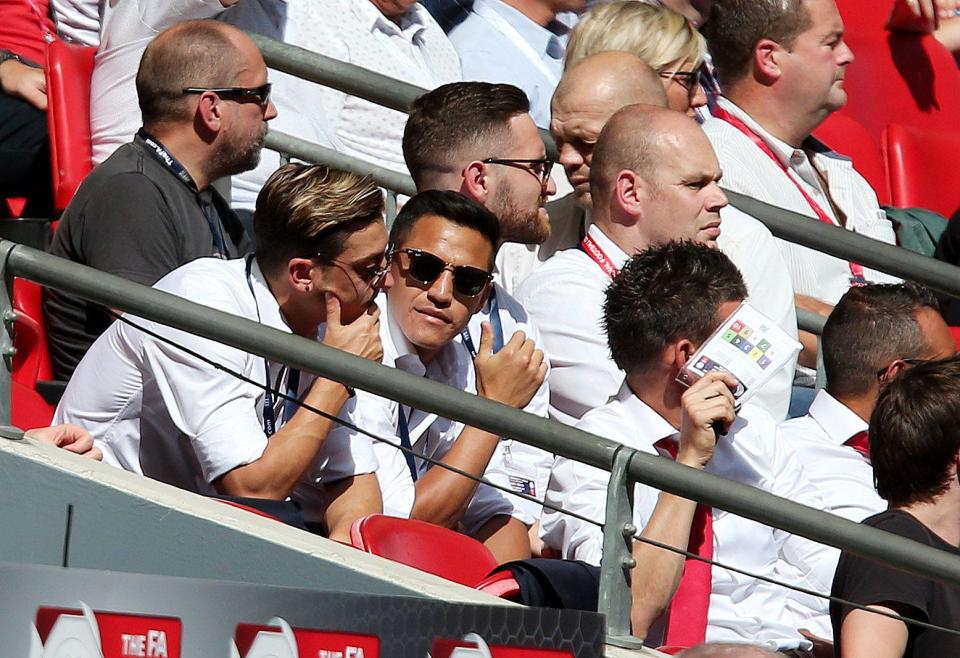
<point>864,15</point>
<point>69,69</point>
<point>907,79</point>
<point>848,137</point>
<point>430,548</point>
<point>923,167</point>
<point>28,410</point>
<point>32,360</point>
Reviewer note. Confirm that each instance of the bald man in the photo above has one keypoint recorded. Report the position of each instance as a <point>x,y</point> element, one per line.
<point>149,208</point>
<point>655,181</point>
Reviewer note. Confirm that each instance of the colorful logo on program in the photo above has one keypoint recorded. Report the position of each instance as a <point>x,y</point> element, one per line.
<point>739,335</point>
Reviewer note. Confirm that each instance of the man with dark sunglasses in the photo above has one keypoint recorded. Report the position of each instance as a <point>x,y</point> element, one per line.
<point>441,257</point>
<point>149,208</point>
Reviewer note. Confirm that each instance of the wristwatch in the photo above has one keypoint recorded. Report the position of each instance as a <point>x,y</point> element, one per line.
<point>7,55</point>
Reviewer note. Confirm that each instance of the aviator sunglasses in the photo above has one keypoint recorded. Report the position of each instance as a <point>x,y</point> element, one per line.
<point>425,268</point>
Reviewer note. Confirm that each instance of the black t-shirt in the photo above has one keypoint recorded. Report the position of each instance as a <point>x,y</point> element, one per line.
<point>867,582</point>
<point>135,218</point>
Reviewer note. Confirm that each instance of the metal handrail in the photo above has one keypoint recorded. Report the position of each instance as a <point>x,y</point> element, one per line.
<point>473,410</point>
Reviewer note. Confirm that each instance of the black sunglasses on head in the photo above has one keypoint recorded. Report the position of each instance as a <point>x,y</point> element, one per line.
<point>259,94</point>
<point>425,268</point>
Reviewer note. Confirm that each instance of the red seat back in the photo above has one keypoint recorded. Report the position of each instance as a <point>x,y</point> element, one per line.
<point>846,136</point>
<point>861,16</point>
<point>28,410</point>
<point>69,69</point>
<point>424,546</point>
<point>32,360</point>
<point>907,79</point>
<point>924,166</point>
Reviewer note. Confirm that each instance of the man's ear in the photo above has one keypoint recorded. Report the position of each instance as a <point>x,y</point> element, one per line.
<point>629,192</point>
<point>681,351</point>
<point>892,371</point>
<point>767,60</point>
<point>208,116</point>
<point>476,182</point>
<point>299,274</point>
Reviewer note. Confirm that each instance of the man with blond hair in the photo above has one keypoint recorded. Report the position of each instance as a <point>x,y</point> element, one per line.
<point>174,412</point>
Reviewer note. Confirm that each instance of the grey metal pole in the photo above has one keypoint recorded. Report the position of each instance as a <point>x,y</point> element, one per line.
<point>475,411</point>
<point>839,242</point>
<point>7,350</point>
<point>810,321</point>
<point>349,78</point>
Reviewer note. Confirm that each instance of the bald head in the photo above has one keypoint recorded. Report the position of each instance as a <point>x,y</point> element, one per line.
<point>717,650</point>
<point>588,95</point>
<point>190,54</point>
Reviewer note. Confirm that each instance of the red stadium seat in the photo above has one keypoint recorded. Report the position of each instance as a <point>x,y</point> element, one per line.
<point>69,69</point>
<point>28,410</point>
<point>846,136</point>
<point>923,166</point>
<point>32,360</point>
<point>907,79</point>
<point>430,548</point>
<point>861,16</point>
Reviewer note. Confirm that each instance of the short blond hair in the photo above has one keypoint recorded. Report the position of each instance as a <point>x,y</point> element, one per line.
<point>656,35</point>
<point>311,210</point>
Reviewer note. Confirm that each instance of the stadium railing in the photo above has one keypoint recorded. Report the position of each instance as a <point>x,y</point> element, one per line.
<point>625,464</point>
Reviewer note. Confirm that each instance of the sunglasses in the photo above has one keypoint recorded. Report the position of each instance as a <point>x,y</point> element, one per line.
<point>689,80</point>
<point>541,167</point>
<point>259,94</point>
<point>426,268</point>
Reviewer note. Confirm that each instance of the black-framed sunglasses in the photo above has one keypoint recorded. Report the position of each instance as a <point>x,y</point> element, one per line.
<point>689,80</point>
<point>425,268</point>
<point>541,167</point>
<point>259,94</point>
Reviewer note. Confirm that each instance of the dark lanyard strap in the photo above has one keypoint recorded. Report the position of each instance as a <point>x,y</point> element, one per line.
<point>293,378</point>
<point>497,328</point>
<point>405,442</point>
<point>165,158</point>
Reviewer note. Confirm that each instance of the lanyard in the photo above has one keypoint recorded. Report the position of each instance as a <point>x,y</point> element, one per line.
<point>405,442</point>
<point>856,270</point>
<point>596,253</point>
<point>293,378</point>
<point>501,25</point>
<point>165,158</point>
<point>497,328</point>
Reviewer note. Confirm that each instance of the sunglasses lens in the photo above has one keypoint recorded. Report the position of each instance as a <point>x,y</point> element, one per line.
<point>424,267</point>
<point>469,281</point>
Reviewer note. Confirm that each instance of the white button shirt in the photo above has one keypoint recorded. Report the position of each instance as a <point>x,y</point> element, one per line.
<point>125,30</point>
<point>842,477</point>
<point>746,169</point>
<point>153,409</point>
<point>415,50</point>
<point>498,43</point>
<point>565,297</point>
<point>742,609</point>
<point>78,20</point>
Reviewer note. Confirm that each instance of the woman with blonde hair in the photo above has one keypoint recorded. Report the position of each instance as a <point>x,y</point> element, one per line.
<point>663,39</point>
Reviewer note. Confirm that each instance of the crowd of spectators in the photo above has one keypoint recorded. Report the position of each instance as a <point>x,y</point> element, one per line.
<point>583,309</point>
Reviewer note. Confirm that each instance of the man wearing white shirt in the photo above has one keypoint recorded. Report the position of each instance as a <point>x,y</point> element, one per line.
<point>874,333</point>
<point>442,247</point>
<point>78,20</point>
<point>664,304</point>
<point>521,42</point>
<point>478,139</point>
<point>653,179</point>
<point>782,65</point>
<point>170,410</point>
<point>397,38</point>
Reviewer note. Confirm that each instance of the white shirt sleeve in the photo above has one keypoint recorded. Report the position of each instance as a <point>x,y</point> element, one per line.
<point>582,489</point>
<point>158,16</point>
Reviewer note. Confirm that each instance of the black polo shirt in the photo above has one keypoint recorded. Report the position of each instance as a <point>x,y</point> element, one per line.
<point>135,217</point>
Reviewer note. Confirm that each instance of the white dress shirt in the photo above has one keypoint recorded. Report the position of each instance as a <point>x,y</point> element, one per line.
<point>746,169</point>
<point>433,436</point>
<point>78,20</point>
<point>156,410</point>
<point>498,43</point>
<point>565,297</point>
<point>742,609</point>
<point>415,50</point>
<point>842,477</point>
<point>125,30</point>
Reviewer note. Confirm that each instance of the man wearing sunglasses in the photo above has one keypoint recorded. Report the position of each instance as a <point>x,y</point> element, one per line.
<point>441,256</point>
<point>165,404</point>
<point>874,334</point>
<point>150,208</point>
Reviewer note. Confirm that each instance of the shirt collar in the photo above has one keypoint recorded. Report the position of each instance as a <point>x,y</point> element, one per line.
<point>617,255</point>
<point>411,24</point>
<point>835,418</point>
<point>537,36</point>
<point>649,426</point>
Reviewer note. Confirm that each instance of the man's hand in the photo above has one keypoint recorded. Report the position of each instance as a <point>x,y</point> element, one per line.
<point>921,16</point>
<point>514,374</point>
<point>69,437</point>
<point>361,337</point>
<point>707,402</point>
<point>26,82</point>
